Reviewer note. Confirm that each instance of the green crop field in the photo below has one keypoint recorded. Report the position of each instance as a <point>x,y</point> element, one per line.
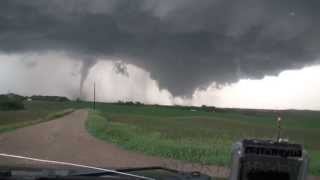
<point>199,136</point>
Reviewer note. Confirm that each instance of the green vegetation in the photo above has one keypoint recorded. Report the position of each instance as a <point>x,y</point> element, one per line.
<point>35,112</point>
<point>49,98</point>
<point>50,116</point>
<point>203,135</point>
<point>199,136</point>
<point>11,102</point>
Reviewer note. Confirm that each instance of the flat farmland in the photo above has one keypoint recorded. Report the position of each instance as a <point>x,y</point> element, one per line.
<point>189,134</point>
<point>194,135</point>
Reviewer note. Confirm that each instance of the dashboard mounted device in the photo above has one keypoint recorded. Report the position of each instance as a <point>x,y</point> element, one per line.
<point>254,159</point>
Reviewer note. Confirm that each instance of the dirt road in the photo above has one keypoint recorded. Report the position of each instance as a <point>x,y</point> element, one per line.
<point>66,139</point>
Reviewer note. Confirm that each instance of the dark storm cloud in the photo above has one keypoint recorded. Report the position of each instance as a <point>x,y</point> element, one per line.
<point>185,44</point>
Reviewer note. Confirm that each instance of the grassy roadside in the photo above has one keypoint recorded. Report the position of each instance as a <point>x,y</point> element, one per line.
<point>36,112</point>
<point>175,139</point>
<point>50,116</point>
<point>211,151</point>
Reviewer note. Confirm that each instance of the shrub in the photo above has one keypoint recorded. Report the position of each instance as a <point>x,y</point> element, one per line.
<point>8,103</point>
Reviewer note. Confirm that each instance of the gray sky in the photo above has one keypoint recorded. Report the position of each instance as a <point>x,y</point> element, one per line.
<point>183,45</point>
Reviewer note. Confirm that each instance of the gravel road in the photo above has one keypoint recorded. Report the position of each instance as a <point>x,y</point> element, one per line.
<point>66,139</point>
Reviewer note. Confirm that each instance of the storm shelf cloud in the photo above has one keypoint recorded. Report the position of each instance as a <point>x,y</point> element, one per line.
<point>184,44</point>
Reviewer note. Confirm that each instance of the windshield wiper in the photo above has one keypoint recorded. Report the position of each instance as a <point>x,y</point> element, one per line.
<point>106,171</point>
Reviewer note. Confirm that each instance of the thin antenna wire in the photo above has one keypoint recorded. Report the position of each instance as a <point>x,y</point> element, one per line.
<point>75,165</point>
<point>279,129</point>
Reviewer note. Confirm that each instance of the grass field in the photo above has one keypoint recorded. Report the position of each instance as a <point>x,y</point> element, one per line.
<point>178,133</point>
<point>198,136</point>
<point>34,112</point>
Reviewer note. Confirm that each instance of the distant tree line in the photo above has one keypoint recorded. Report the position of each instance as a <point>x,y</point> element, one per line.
<point>49,98</point>
<point>132,103</point>
<point>16,102</point>
<point>11,102</point>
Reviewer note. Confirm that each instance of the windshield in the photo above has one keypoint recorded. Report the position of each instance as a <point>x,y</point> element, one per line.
<point>169,83</point>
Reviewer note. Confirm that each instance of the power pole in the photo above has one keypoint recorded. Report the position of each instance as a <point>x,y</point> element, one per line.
<point>80,94</point>
<point>94,95</point>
